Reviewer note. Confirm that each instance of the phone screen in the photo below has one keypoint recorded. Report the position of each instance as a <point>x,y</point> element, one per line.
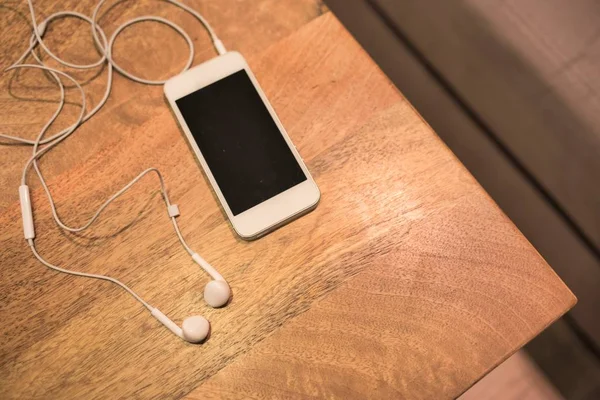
<point>242,145</point>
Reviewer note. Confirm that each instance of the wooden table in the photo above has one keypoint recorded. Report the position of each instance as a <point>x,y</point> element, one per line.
<point>406,282</point>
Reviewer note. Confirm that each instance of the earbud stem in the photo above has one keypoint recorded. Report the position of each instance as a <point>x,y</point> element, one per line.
<point>172,326</point>
<point>207,267</point>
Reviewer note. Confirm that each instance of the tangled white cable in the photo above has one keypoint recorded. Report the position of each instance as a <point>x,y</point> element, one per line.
<point>217,292</point>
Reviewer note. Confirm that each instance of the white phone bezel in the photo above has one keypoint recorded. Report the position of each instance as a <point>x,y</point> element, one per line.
<point>273,212</point>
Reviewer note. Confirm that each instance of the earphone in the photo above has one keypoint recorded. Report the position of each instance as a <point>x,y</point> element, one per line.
<point>217,292</point>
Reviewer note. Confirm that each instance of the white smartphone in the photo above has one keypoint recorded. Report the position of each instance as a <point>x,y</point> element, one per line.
<point>251,163</point>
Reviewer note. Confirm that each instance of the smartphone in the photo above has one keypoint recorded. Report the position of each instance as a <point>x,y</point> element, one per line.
<point>251,163</point>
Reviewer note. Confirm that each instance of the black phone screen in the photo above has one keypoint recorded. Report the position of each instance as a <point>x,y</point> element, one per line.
<point>242,145</point>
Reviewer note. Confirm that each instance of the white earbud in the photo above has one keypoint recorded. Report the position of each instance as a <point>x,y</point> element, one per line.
<point>193,330</point>
<point>216,292</point>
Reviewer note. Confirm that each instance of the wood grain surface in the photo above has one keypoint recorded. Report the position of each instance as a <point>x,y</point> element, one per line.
<point>405,282</point>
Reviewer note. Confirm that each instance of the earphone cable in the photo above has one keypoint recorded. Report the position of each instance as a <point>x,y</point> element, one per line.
<point>43,145</point>
<point>87,275</point>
